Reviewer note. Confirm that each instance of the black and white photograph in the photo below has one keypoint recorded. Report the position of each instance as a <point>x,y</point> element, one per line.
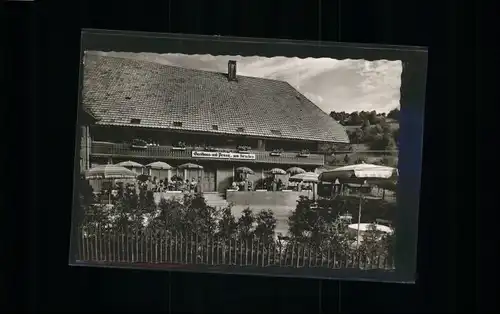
<point>246,163</point>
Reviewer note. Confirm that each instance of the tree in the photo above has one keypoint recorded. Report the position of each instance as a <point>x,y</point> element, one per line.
<point>394,114</point>
<point>301,220</point>
<point>355,119</point>
<point>356,136</point>
<point>373,117</point>
<point>227,225</point>
<point>395,135</point>
<point>326,148</point>
<point>320,227</point>
<point>372,245</point>
<point>171,216</point>
<point>360,160</point>
<point>245,224</point>
<point>383,141</point>
<point>366,125</point>
<point>266,224</point>
<point>198,216</point>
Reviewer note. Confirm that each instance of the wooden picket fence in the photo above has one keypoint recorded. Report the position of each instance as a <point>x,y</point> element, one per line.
<point>177,248</point>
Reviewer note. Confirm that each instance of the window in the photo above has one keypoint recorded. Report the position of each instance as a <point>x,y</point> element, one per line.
<point>276,132</point>
<point>240,129</point>
<point>178,124</point>
<point>215,127</point>
<point>135,121</point>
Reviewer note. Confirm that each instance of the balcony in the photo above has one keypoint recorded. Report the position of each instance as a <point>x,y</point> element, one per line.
<point>107,149</point>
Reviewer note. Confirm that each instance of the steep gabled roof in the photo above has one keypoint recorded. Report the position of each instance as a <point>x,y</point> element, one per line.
<point>118,90</point>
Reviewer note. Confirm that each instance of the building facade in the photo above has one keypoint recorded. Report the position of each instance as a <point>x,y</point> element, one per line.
<point>148,112</point>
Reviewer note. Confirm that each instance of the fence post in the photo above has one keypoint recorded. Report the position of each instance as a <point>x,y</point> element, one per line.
<point>217,249</point>
<point>162,237</point>
<point>251,253</point>
<point>207,249</point>
<point>127,248</point>
<point>304,254</point>
<point>95,244</point>
<point>229,252</point>
<point>224,252</point>
<point>170,246</point>
<point>241,252</point>
<point>181,247</point>
<point>142,234</point>
<point>310,256</point>
<point>328,258</point>
<point>246,252</point>
<point>196,248</point>
<point>298,254</point>
<point>212,248</point>
<point>191,247</point>
<point>156,246</point>
<point>176,247</point>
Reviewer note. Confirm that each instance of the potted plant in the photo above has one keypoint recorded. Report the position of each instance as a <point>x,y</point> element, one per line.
<point>276,152</point>
<point>179,146</point>
<point>304,153</point>
<point>243,148</point>
<point>139,144</point>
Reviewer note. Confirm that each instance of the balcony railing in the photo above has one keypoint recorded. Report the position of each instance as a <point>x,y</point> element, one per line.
<point>107,149</point>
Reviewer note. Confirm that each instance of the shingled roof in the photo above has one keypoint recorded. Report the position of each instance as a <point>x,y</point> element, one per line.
<point>127,92</point>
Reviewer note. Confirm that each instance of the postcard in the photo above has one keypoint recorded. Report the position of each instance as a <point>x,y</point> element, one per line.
<point>248,156</point>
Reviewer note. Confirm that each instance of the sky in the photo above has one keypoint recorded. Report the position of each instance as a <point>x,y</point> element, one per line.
<point>333,85</point>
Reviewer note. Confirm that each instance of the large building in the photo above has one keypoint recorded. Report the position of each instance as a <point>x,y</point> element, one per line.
<point>207,118</point>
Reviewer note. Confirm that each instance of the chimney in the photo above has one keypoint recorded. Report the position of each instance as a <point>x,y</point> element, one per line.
<point>231,70</point>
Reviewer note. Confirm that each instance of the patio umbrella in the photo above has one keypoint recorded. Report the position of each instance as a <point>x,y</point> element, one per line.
<point>190,166</point>
<point>274,172</point>
<point>295,170</point>
<point>159,165</point>
<point>360,173</point>
<point>158,169</point>
<point>277,171</point>
<point>109,172</point>
<point>364,227</point>
<point>245,170</point>
<point>305,177</point>
<point>130,164</point>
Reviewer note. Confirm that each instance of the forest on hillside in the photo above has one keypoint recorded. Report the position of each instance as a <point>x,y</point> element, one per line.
<point>378,131</point>
<point>359,118</point>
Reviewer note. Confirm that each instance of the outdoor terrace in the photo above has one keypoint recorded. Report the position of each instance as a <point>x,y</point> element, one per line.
<point>108,149</point>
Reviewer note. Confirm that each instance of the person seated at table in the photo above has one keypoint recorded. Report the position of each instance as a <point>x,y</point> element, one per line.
<point>186,185</point>
<point>193,185</point>
<point>280,185</point>
<point>241,186</point>
<point>234,186</point>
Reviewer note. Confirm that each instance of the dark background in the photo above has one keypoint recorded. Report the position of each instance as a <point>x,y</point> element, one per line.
<point>43,50</point>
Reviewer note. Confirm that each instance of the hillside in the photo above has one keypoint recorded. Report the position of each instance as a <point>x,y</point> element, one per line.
<point>373,136</point>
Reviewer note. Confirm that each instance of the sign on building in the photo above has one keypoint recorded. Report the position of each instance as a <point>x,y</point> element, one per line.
<point>221,155</point>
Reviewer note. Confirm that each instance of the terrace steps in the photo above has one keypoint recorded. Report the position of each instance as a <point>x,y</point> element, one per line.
<point>215,199</point>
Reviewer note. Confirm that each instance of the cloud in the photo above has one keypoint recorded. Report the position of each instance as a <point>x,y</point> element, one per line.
<point>333,85</point>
